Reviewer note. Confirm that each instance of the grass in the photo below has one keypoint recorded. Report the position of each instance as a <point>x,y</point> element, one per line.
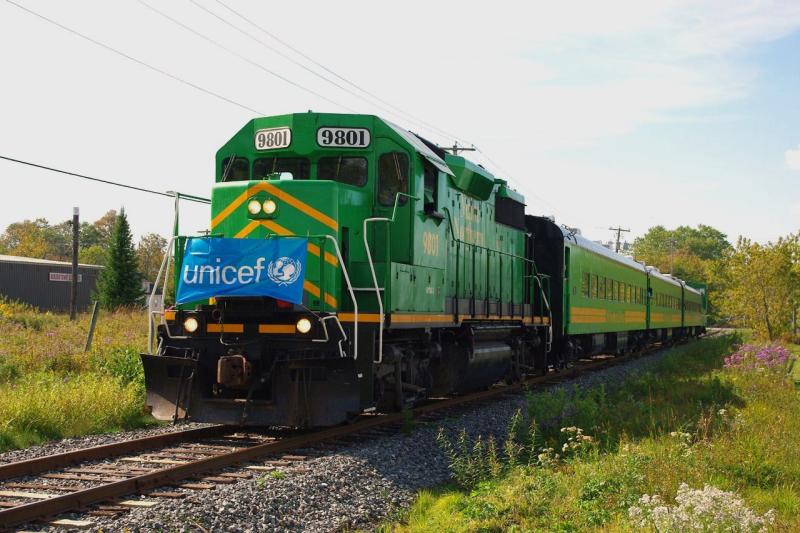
<point>50,388</point>
<point>687,420</point>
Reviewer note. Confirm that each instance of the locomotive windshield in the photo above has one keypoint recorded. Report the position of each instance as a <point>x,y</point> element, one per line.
<point>347,170</point>
<point>298,167</point>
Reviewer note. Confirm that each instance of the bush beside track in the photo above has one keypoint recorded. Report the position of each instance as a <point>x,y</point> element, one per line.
<point>686,420</point>
<point>52,389</point>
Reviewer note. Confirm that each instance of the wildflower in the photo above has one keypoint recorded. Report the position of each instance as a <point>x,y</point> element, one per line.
<point>703,509</point>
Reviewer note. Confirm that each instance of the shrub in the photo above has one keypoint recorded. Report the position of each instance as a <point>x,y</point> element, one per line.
<point>754,357</point>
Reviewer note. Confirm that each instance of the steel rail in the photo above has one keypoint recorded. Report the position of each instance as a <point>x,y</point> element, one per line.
<point>38,510</point>
<point>37,465</point>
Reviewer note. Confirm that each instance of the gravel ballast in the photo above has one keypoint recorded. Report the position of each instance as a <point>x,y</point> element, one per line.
<point>349,488</point>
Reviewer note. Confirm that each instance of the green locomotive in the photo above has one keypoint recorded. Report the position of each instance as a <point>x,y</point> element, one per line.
<point>424,276</point>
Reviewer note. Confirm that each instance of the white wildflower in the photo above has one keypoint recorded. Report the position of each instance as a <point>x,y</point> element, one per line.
<point>695,510</point>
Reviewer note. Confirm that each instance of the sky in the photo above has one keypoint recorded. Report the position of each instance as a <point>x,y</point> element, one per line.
<point>616,113</point>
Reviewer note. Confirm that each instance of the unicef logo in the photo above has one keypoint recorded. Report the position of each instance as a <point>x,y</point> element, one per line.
<point>284,270</point>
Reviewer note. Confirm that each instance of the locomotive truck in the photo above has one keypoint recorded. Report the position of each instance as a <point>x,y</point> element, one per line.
<point>423,276</point>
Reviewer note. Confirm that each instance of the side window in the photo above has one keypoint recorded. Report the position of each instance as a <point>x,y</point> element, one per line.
<point>431,188</point>
<point>392,178</point>
<point>347,170</point>
<point>603,284</point>
<point>585,285</point>
<point>594,286</point>
<point>235,169</point>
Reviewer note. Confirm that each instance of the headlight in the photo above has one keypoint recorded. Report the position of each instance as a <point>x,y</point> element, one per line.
<point>191,324</point>
<point>270,206</point>
<point>254,207</point>
<point>304,325</point>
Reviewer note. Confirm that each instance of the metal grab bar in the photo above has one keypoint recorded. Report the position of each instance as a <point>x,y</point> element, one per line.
<point>162,271</point>
<point>549,342</point>
<point>536,276</point>
<point>372,269</point>
<point>352,295</point>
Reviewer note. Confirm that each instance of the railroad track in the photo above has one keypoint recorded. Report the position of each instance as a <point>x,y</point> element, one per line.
<point>94,481</point>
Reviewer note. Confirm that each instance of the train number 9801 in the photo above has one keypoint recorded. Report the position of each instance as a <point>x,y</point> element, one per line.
<point>343,137</point>
<point>273,138</point>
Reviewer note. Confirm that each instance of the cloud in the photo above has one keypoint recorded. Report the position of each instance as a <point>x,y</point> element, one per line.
<point>792,158</point>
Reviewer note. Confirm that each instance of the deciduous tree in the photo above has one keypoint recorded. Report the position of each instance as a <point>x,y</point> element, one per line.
<point>150,253</point>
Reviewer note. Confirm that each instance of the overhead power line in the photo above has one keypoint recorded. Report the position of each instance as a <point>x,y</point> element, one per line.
<point>191,198</point>
<point>404,114</point>
<point>137,61</point>
<point>242,57</point>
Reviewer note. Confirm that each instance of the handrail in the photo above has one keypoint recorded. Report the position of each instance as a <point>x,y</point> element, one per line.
<point>151,300</point>
<point>372,268</point>
<point>536,275</point>
<point>168,258</point>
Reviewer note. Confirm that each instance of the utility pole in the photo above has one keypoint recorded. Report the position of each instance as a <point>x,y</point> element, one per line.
<point>76,231</point>
<point>456,148</point>
<point>619,231</point>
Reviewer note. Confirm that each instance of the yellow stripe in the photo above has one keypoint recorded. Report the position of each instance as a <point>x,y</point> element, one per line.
<point>282,195</point>
<point>314,290</point>
<point>277,228</point>
<point>329,257</point>
<point>247,230</point>
<point>297,204</point>
<point>313,248</point>
<point>414,318</point>
<point>330,300</point>
<point>310,287</point>
<point>277,328</point>
<point>362,317</point>
<point>225,328</point>
<point>231,207</point>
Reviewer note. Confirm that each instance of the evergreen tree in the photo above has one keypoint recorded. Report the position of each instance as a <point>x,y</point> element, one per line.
<point>120,282</point>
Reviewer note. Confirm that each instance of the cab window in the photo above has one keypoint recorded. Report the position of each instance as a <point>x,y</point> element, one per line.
<point>431,188</point>
<point>347,170</point>
<point>392,178</point>
<point>296,166</point>
<point>235,169</point>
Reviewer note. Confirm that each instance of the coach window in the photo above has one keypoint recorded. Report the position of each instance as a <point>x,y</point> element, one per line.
<point>297,167</point>
<point>235,169</point>
<point>347,170</point>
<point>585,285</point>
<point>392,178</point>
<point>594,286</point>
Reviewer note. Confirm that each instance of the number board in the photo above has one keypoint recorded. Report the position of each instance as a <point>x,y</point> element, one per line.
<point>343,137</point>
<point>273,138</point>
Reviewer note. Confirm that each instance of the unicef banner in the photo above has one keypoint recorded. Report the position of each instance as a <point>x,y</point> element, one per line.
<point>214,267</point>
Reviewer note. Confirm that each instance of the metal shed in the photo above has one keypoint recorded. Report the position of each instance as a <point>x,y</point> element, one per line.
<point>45,284</point>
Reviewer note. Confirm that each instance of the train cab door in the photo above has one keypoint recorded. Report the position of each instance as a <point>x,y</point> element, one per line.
<point>393,182</point>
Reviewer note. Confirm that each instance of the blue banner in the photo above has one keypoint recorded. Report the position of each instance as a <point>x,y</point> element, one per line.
<point>216,267</point>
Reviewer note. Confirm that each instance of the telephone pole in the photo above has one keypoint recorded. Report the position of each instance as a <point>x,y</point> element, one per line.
<point>619,231</point>
<point>73,293</point>
<point>456,148</point>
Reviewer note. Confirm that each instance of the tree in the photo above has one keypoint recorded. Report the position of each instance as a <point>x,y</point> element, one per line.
<point>27,239</point>
<point>105,226</point>
<point>762,286</point>
<point>93,255</point>
<point>151,253</point>
<point>120,283</point>
<point>666,248</point>
<point>692,254</point>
